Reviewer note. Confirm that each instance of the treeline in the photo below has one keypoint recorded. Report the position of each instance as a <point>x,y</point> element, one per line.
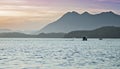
<point>22,35</point>
<point>103,32</point>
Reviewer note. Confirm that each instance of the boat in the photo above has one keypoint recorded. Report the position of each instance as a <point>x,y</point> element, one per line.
<point>85,38</point>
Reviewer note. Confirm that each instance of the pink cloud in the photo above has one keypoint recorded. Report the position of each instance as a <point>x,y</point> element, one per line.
<point>113,1</point>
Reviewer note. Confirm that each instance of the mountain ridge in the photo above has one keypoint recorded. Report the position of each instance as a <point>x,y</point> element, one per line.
<point>74,21</point>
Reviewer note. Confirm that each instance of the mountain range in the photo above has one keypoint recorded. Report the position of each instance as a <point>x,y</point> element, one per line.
<point>72,21</point>
<point>73,24</point>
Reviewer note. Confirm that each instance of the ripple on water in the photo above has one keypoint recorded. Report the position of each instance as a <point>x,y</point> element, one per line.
<point>58,53</point>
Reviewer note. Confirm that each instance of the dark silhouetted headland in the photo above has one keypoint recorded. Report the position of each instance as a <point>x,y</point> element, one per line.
<point>103,32</point>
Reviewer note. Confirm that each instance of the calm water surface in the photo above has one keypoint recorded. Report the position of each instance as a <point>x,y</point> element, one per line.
<point>33,53</point>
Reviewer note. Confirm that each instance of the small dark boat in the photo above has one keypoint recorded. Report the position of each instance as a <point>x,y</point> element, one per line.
<point>84,38</point>
<point>100,39</point>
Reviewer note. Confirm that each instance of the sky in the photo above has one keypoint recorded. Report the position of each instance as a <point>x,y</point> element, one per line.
<point>35,14</point>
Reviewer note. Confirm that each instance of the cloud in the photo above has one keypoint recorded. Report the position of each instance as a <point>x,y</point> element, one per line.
<point>34,14</point>
<point>109,1</point>
<point>12,1</point>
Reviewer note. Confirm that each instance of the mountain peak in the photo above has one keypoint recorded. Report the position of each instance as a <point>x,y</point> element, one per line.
<point>109,13</point>
<point>72,13</point>
<point>85,13</point>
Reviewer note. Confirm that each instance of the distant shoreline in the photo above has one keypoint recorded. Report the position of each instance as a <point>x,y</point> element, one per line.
<point>102,32</point>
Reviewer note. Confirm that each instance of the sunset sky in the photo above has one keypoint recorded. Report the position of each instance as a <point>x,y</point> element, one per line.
<point>35,14</point>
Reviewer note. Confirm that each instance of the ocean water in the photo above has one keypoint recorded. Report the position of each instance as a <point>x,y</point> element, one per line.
<point>59,53</point>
